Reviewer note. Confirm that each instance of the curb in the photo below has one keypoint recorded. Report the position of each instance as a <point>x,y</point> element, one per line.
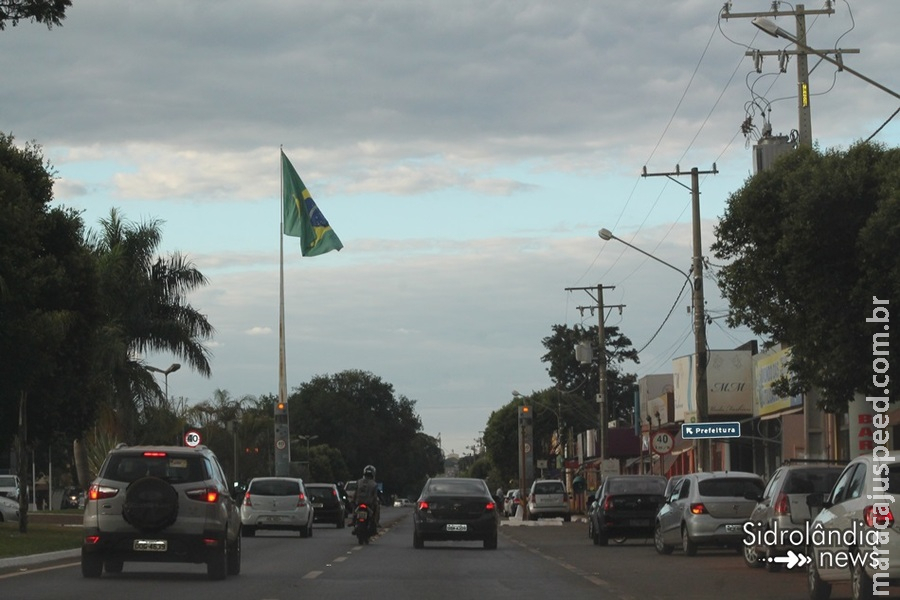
<point>34,559</point>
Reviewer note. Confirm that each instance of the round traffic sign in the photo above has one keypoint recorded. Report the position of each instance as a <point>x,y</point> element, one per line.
<point>192,438</point>
<point>280,445</point>
<point>663,442</point>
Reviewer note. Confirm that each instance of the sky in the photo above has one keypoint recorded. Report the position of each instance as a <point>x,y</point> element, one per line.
<point>465,152</point>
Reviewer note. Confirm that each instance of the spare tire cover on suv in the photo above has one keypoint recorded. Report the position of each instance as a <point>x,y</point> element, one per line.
<point>151,504</point>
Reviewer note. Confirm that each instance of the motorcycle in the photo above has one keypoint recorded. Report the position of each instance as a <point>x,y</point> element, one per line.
<point>363,523</point>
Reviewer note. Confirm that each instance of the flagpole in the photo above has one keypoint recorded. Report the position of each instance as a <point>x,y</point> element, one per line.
<point>282,422</point>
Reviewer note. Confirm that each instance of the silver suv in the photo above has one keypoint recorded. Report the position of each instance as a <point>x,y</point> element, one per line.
<point>161,504</point>
<point>548,498</point>
<point>783,508</point>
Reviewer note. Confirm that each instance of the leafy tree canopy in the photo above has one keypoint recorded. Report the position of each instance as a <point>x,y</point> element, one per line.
<point>809,243</point>
<point>48,12</point>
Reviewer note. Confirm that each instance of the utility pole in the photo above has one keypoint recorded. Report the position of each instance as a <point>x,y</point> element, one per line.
<point>804,126</point>
<point>700,355</point>
<point>602,396</point>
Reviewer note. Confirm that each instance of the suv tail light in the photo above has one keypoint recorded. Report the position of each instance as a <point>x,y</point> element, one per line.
<point>876,519</point>
<point>697,508</point>
<point>782,505</point>
<point>210,495</point>
<point>99,492</point>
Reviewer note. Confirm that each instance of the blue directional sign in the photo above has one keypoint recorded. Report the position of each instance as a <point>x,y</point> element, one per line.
<point>696,431</point>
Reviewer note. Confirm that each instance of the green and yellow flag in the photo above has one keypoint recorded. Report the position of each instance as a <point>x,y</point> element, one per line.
<point>302,218</point>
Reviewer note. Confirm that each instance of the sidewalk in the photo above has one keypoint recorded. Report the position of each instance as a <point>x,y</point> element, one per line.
<point>37,559</point>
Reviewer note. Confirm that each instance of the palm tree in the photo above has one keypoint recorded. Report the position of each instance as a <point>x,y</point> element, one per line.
<point>146,302</point>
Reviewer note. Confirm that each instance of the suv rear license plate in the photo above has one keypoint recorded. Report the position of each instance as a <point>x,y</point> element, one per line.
<point>457,527</point>
<point>151,545</point>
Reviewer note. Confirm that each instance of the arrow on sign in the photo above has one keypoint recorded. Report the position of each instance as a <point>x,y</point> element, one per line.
<point>792,559</point>
<point>689,429</point>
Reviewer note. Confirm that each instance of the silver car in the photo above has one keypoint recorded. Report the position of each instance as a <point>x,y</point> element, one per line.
<point>783,511</point>
<point>161,504</point>
<point>9,509</point>
<point>706,509</point>
<point>548,498</point>
<point>277,503</point>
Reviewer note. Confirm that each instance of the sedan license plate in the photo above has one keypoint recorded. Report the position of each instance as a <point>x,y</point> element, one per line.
<point>733,528</point>
<point>318,505</point>
<point>457,527</point>
<point>151,545</point>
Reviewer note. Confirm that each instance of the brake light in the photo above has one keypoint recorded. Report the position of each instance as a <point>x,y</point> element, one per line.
<point>782,505</point>
<point>875,518</point>
<point>363,506</point>
<point>423,505</point>
<point>247,499</point>
<point>608,503</point>
<point>301,499</point>
<point>698,509</point>
<point>99,492</point>
<point>210,495</point>
<point>154,454</point>
<point>490,506</point>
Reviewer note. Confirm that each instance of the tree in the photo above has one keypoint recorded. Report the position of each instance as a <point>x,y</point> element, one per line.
<point>358,413</point>
<point>809,243</point>
<point>48,309</point>
<point>573,377</point>
<point>48,12</point>
<point>145,300</point>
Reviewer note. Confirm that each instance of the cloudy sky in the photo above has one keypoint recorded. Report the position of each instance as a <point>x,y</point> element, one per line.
<point>465,152</point>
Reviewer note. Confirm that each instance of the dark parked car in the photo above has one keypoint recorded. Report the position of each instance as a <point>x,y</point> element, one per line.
<point>326,500</point>
<point>626,506</point>
<point>456,508</point>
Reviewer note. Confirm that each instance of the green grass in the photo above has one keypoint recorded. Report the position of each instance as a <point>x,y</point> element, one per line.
<point>40,538</point>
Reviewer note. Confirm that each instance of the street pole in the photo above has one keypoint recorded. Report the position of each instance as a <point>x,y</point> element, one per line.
<point>699,321</point>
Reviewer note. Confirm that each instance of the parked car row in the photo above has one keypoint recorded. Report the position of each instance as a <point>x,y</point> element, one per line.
<point>839,516</point>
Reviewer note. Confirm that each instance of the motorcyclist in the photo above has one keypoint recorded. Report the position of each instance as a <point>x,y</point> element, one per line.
<point>367,493</point>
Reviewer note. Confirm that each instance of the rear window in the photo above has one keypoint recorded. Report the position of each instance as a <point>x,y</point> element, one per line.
<point>457,487</point>
<point>729,487</point>
<point>275,487</point>
<point>7,481</point>
<point>549,487</point>
<point>172,468</point>
<point>811,481</point>
<point>637,486</point>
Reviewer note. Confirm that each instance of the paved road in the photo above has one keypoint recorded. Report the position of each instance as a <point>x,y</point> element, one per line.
<point>547,560</point>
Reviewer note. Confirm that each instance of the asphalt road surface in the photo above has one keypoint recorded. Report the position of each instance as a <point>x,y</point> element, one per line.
<point>549,560</point>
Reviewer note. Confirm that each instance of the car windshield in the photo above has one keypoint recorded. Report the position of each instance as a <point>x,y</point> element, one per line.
<point>456,487</point>
<point>7,481</point>
<point>637,486</point>
<point>811,481</point>
<point>549,487</point>
<point>733,487</point>
<point>174,469</point>
<point>275,487</point>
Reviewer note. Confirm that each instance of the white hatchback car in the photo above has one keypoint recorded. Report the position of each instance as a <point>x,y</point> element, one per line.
<point>855,537</point>
<point>277,503</point>
<point>548,498</point>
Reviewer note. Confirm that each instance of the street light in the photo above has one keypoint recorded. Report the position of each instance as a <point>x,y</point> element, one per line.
<point>700,358</point>
<point>769,27</point>
<point>308,439</point>
<point>172,368</point>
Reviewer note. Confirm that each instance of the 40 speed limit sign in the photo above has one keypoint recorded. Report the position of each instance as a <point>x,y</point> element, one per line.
<point>192,439</point>
<point>662,442</point>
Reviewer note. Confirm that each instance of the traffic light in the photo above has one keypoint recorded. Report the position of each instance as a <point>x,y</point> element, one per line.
<point>281,413</point>
<point>525,416</point>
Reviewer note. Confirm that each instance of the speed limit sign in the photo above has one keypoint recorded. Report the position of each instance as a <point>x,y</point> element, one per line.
<point>192,438</point>
<point>663,442</point>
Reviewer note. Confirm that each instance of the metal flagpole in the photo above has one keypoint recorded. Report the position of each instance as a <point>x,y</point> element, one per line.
<point>282,423</point>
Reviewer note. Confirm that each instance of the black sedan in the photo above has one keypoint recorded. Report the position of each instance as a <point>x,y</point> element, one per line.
<point>327,503</point>
<point>626,506</point>
<point>456,508</point>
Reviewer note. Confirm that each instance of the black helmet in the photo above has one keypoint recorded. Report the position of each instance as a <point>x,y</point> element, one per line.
<point>369,472</point>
